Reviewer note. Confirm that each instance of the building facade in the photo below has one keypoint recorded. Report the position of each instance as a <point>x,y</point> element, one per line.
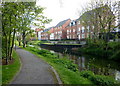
<point>38,33</point>
<point>60,30</point>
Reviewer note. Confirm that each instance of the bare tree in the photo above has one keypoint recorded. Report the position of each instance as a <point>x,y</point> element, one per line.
<point>100,16</point>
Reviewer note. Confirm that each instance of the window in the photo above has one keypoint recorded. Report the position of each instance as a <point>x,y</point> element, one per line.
<point>78,36</point>
<point>83,29</point>
<point>67,31</point>
<point>73,30</point>
<point>67,37</point>
<point>79,29</point>
<point>83,35</point>
<point>73,23</point>
<point>88,29</point>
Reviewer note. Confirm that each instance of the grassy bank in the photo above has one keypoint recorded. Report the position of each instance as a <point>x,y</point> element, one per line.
<point>68,71</point>
<point>110,50</point>
<point>9,71</point>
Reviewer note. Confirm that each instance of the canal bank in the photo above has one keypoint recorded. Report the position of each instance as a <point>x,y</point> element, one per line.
<point>68,71</point>
<point>99,66</point>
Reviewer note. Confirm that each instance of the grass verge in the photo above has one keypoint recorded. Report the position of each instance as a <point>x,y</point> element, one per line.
<point>68,71</point>
<point>9,71</point>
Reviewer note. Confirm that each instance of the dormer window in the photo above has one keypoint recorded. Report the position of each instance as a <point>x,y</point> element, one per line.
<point>75,23</point>
<point>71,23</point>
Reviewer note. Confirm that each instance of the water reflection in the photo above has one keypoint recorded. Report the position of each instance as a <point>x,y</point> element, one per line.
<point>98,66</point>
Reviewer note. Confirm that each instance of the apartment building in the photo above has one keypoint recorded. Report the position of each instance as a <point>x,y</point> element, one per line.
<point>51,33</point>
<point>48,34</point>
<point>81,28</point>
<point>38,33</point>
<point>72,30</point>
<point>76,31</point>
<point>45,35</point>
<point>60,30</point>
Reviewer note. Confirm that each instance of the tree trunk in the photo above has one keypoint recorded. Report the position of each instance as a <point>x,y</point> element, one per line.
<point>9,42</point>
<point>6,50</point>
<point>12,44</point>
<point>23,39</point>
<point>19,43</point>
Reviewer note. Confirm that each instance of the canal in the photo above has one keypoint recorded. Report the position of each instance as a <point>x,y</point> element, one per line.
<point>99,66</point>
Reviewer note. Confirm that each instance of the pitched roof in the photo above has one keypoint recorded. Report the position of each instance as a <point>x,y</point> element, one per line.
<point>37,29</point>
<point>47,29</point>
<point>61,23</point>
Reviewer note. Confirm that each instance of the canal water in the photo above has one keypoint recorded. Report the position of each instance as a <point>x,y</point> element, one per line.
<point>97,65</point>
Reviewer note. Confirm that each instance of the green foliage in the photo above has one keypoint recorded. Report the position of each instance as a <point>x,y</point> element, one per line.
<point>116,55</point>
<point>66,63</point>
<point>66,69</point>
<point>86,74</point>
<point>9,71</point>
<point>102,80</point>
<point>110,50</point>
<point>98,79</point>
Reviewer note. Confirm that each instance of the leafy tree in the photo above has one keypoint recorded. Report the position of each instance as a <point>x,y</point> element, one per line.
<point>16,19</point>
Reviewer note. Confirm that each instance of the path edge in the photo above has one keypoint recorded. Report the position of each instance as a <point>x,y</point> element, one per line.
<point>17,71</point>
<point>56,75</point>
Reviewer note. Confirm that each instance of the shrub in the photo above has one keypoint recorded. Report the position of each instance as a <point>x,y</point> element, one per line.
<point>86,74</point>
<point>67,64</point>
<point>102,80</point>
<point>71,66</point>
<point>98,79</point>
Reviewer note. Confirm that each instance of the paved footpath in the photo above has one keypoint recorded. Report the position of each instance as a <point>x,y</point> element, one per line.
<point>33,70</point>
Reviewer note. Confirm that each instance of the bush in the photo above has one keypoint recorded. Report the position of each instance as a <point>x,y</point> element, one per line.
<point>102,80</point>
<point>98,79</point>
<point>67,64</point>
<point>86,74</point>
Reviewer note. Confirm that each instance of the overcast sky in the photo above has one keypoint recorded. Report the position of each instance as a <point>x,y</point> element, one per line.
<point>59,10</point>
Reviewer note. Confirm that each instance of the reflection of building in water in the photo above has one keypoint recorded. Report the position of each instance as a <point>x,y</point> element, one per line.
<point>117,75</point>
<point>81,63</point>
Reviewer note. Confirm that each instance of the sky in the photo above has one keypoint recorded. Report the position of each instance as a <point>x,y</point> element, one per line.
<point>59,10</point>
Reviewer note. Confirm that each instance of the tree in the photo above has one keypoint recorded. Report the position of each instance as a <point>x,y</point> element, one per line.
<point>16,18</point>
<point>100,17</point>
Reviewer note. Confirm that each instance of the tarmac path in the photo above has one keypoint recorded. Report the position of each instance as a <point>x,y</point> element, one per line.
<point>33,70</point>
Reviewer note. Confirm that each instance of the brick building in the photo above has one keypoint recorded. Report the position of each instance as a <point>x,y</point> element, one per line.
<point>45,35</point>
<point>51,33</point>
<point>76,31</point>
<point>60,30</point>
<point>38,33</point>
<point>48,34</point>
